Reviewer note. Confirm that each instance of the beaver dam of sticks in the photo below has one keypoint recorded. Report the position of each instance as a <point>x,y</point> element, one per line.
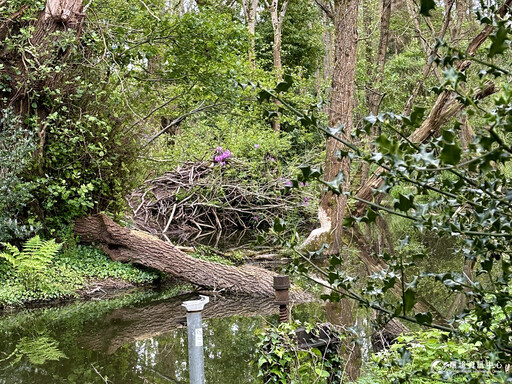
<point>202,196</point>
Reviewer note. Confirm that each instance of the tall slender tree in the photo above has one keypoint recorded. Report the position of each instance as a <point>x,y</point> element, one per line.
<point>332,207</point>
<point>250,8</point>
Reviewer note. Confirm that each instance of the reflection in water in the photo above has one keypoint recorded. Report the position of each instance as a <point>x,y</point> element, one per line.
<point>135,339</point>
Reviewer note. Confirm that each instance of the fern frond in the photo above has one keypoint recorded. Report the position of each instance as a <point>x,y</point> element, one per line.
<point>11,255</point>
<point>37,254</point>
<point>32,246</point>
<point>40,349</point>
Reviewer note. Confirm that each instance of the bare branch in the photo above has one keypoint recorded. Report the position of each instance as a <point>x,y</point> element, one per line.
<point>149,10</point>
<point>326,7</point>
<point>179,120</point>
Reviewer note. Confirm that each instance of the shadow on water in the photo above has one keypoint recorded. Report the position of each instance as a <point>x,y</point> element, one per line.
<point>138,338</point>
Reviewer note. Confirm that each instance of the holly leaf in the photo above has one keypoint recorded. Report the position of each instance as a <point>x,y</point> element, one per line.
<point>423,318</point>
<point>426,6</point>
<point>450,154</point>
<point>499,42</point>
<point>409,299</point>
<point>404,202</point>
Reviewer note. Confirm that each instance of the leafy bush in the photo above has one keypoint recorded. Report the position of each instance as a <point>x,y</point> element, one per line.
<point>40,273</point>
<point>16,148</point>
<point>281,361</point>
<point>430,357</point>
<point>31,263</point>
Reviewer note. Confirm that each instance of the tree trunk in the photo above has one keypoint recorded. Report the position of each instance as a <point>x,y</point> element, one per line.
<point>250,7</point>
<point>375,76</point>
<point>332,207</point>
<point>445,107</point>
<point>58,15</point>
<point>277,16</point>
<point>374,98</point>
<point>125,245</point>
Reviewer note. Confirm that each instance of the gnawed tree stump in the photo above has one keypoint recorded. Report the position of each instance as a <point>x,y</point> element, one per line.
<point>125,245</point>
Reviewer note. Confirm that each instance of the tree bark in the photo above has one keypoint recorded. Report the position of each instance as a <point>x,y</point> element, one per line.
<point>250,7</point>
<point>277,14</point>
<point>58,15</point>
<point>332,207</point>
<point>376,74</point>
<point>125,245</point>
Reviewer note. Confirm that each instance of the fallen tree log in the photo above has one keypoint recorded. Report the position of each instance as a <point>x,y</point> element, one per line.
<point>125,245</point>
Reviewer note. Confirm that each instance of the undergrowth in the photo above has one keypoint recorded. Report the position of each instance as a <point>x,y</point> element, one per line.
<point>38,273</point>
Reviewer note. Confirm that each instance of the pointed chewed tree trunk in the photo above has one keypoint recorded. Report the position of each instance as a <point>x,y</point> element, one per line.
<point>332,207</point>
<point>125,245</point>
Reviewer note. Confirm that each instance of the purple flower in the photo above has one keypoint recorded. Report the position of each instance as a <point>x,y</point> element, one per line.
<point>256,146</point>
<point>288,183</point>
<point>218,158</point>
<point>301,184</point>
<point>272,159</point>
<point>255,218</point>
<point>218,149</point>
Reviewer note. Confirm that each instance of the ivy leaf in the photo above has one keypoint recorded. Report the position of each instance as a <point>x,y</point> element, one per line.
<point>426,6</point>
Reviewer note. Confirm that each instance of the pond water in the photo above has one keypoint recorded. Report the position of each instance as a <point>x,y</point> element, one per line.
<point>137,338</point>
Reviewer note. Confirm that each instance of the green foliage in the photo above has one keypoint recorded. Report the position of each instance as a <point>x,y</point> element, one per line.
<point>41,273</point>
<point>16,147</point>
<point>451,192</point>
<point>281,361</point>
<point>92,263</point>
<point>30,263</point>
<point>37,350</point>
<point>430,357</point>
<point>302,45</point>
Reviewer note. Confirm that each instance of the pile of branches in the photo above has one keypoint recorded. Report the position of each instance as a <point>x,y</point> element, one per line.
<point>204,196</point>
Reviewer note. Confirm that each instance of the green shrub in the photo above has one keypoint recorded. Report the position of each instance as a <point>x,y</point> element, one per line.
<point>429,357</point>
<point>16,148</point>
<point>31,263</point>
<point>281,361</point>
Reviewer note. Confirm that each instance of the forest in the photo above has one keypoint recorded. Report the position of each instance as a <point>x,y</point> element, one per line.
<point>151,150</point>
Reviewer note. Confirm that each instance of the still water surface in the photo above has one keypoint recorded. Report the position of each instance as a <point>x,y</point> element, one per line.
<point>137,338</point>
